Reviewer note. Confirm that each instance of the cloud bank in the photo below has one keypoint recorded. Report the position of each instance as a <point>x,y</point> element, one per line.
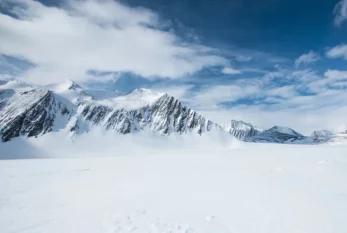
<point>69,40</point>
<point>339,51</point>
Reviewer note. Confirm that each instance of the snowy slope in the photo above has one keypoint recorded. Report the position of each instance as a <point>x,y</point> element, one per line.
<point>263,188</point>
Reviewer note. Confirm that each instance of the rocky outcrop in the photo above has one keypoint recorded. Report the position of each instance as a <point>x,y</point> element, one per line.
<point>30,113</point>
<point>166,115</point>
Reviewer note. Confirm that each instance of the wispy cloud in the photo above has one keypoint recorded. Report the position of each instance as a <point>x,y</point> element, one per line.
<point>340,12</point>
<point>326,110</point>
<point>307,58</point>
<point>210,97</point>
<point>336,75</point>
<point>68,41</point>
<point>229,70</point>
<point>243,58</point>
<point>180,92</point>
<point>339,51</point>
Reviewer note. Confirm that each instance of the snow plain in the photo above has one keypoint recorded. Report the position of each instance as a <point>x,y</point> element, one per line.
<point>156,186</point>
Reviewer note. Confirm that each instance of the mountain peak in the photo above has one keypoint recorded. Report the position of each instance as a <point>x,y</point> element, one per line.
<point>283,130</point>
<point>71,85</point>
<point>64,86</point>
<point>143,91</point>
<point>144,94</point>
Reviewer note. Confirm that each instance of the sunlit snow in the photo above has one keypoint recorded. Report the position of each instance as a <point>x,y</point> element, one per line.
<point>187,184</point>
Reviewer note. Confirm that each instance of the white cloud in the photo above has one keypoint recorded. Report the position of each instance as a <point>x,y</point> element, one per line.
<point>5,77</point>
<point>305,76</point>
<point>269,76</point>
<point>323,107</point>
<point>305,113</point>
<point>339,51</point>
<point>180,92</point>
<point>68,41</point>
<point>100,77</point>
<point>340,12</point>
<point>284,92</point>
<point>307,58</point>
<point>331,78</point>
<point>209,97</point>
<point>229,70</point>
<point>303,121</point>
<point>336,75</point>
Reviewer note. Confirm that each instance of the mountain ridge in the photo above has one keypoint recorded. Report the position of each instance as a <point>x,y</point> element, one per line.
<point>33,111</point>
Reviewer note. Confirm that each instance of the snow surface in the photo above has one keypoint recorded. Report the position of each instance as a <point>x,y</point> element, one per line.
<point>148,184</point>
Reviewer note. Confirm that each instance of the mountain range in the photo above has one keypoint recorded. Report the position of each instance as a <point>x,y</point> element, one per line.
<point>34,111</point>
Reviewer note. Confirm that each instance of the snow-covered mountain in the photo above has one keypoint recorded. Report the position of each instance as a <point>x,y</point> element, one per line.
<point>242,130</point>
<point>321,133</point>
<point>278,134</point>
<point>31,111</point>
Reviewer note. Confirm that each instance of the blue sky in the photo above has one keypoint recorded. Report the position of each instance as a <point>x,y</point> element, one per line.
<point>269,62</point>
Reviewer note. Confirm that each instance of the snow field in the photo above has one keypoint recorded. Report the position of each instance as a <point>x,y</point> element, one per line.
<point>263,188</point>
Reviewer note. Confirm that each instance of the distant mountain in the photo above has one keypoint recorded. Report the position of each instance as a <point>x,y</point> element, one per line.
<point>278,134</point>
<point>242,130</point>
<point>31,111</point>
<point>321,133</point>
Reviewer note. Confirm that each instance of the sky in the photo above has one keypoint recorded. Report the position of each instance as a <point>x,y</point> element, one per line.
<point>268,62</point>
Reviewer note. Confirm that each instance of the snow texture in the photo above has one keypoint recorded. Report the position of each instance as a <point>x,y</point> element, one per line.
<point>263,188</point>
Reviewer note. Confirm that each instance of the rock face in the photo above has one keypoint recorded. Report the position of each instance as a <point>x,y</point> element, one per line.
<point>32,112</point>
<point>165,115</point>
<point>29,113</point>
<point>278,134</point>
<point>241,130</point>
